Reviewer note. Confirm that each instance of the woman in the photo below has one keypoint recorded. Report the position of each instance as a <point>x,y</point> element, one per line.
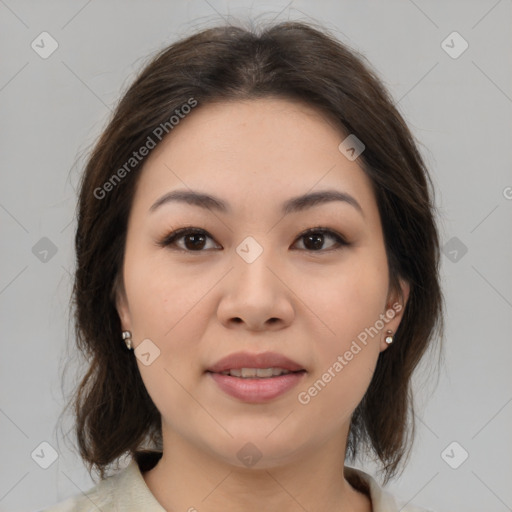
<point>257,279</point>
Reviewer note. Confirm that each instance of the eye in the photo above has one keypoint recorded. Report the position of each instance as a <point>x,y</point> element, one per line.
<point>194,239</point>
<point>314,239</point>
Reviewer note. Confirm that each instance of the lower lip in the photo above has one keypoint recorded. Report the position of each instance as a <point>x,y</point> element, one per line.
<point>257,390</point>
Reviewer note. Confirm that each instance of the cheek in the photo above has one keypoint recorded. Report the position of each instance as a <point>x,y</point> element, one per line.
<point>333,393</point>
<point>165,307</point>
<point>351,304</point>
<point>352,298</point>
<point>163,298</point>
<point>344,362</point>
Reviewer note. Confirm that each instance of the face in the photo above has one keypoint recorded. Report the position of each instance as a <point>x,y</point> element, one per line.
<point>308,282</point>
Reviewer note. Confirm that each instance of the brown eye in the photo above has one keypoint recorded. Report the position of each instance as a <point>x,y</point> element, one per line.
<point>194,239</point>
<point>314,239</point>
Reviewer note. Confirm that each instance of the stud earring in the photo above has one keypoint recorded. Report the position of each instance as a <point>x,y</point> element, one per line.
<point>389,337</point>
<point>127,337</point>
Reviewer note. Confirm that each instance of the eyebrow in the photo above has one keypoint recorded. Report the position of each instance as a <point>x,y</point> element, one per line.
<point>295,204</point>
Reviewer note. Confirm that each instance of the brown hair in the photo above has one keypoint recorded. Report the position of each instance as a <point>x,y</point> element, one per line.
<point>114,414</point>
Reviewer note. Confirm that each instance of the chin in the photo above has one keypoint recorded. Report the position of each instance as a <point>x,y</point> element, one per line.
<point>256,449</point>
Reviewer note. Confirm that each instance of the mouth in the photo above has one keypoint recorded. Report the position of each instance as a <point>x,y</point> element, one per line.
<point>256,378</point>
<point>254,363</point>
<point>258,373</point>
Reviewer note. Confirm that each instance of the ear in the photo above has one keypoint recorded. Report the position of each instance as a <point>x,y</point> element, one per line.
<point>122,305</point>
<point>395,307</point>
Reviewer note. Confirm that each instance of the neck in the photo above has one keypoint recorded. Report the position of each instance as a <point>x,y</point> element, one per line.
<point>186,478</point>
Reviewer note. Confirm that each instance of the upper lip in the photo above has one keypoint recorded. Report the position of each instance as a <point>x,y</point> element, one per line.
<point>239,360</point>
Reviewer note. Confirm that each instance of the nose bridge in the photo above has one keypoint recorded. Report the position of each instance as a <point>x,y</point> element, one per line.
<point>251,262</point>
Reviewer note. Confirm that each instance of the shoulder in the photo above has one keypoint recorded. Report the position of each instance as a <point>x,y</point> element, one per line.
<point>382,500</point>
<point>126,490</point>
<point>99,497</point>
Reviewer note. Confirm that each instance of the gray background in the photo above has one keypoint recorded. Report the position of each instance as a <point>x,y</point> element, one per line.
<point>459,108</point>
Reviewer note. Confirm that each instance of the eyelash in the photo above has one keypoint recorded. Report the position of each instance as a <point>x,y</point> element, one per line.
<point>180,233</point>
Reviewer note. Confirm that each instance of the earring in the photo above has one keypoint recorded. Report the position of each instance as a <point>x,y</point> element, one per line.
<point>389,337</point>
<point>127,337</point>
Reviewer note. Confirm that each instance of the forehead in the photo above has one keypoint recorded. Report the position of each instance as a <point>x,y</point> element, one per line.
<point>270,149</point>
<point>242,126</point>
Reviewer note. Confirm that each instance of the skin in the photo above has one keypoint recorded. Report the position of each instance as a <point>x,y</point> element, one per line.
<point>198,307</point>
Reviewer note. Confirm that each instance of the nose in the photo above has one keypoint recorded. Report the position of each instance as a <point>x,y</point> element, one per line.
<point>256,296</point>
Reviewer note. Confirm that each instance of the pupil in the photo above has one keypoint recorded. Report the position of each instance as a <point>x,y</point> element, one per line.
<point>317,241</point>
<point>196,244</point>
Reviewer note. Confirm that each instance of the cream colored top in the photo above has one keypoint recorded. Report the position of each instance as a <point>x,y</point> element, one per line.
<point>127,491</point>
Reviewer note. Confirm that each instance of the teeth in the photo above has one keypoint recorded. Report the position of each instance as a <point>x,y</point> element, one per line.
<point>262,373</point>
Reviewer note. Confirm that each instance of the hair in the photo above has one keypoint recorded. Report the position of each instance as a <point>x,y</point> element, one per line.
<point>114,415</point>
